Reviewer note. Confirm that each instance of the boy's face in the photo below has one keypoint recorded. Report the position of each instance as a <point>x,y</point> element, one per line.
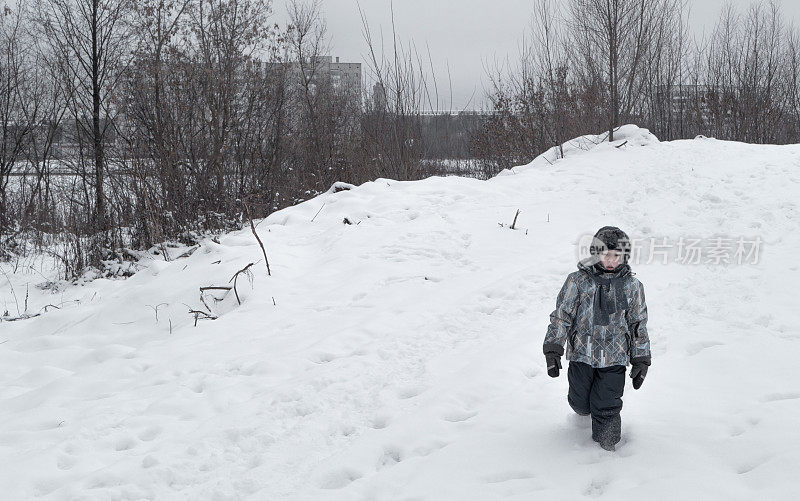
<point>610,259</point>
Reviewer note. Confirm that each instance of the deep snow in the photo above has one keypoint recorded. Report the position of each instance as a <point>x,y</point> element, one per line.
<point>401,358</point>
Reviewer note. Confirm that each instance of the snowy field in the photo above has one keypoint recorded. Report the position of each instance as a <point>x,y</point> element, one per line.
<point>399,357</point>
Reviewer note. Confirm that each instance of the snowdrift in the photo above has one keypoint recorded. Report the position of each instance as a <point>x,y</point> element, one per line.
<point>395,352</point>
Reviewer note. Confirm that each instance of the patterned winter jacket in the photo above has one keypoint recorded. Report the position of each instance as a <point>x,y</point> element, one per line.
<point>625,337</point>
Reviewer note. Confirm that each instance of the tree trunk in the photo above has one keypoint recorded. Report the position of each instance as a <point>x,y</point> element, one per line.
<point>100,213</point>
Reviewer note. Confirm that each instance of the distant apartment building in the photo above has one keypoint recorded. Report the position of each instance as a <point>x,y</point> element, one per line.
<point>324,69</point>
<point>687,98</point>
<point>342,75</point>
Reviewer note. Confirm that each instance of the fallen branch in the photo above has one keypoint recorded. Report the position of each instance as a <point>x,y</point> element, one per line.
<point>248,273</point>
<point>515,220</point>
<point>253,228</point>
<point>201,312</point>
<point>203,298</point>
<point>621,145</point>
<point>58,307</point>
<point>212,288</point>
<point>189,251</point>
<point>513,225</point>
<point>317,214</point>
<point>197,314</point>
<point>22,317</point>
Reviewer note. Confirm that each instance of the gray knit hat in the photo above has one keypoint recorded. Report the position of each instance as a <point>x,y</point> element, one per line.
<point>611,238</point>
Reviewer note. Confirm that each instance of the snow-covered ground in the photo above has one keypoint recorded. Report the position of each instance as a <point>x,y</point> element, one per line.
<point>399,357</point>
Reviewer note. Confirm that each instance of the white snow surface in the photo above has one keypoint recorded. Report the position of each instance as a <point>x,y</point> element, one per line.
<point>402,359</point>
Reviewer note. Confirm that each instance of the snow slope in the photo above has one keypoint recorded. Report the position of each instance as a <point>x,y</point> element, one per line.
<point>401,357</point>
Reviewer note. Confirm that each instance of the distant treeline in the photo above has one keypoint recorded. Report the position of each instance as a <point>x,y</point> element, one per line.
<point>592,65</point>
<point>180,117</point>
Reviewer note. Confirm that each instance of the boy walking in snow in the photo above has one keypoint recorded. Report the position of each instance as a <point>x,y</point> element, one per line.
<point>601,316</point>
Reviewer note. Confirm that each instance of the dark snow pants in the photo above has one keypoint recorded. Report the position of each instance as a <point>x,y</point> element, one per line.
<point>598,392</point>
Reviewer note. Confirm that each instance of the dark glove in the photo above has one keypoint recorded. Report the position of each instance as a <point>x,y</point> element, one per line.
<point>552,353</point>
<point>639,371</point>
<point>553,364</point>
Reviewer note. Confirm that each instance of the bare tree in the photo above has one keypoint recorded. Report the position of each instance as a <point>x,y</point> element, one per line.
<point>14,129</point>
<point>671,87</point>
<point>549,71</point>
<point>159,184</point>
<point>326,112</point>
<point>792,77</point>
<point>197,101</point>
<point>89,40</point>
<point>749,64</point>
<point>43,109</point>
<point>615,38</point>
<point>392,122</point>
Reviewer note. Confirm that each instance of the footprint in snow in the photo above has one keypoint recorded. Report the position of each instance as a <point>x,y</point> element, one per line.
<point>736,431</point>
<point>430,447</point>
<point>744,425</point>
<point>124,444</point>
<point>149,433</point>
<point>695,348</point>
<point>458,416</point>
<point>66,461</point>
<point>777,397</point>
<point>748,466</point>
<point>324,358</point>
<point>380,422</point>
<point>197,386</point>
<point>149,461</point>
<point>340,478</point>
<point>487,309</point>
<point>508,476</point>
<point>347,430</point>
<point>390,457</point>
<point>596,488</point>
<point>44,486</point>
<point>410,392</point>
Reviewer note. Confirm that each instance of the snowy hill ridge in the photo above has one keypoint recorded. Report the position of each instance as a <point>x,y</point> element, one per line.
<point>399,356</point>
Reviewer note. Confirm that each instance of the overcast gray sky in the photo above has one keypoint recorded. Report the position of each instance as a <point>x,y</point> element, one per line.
<point>464,34</point>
